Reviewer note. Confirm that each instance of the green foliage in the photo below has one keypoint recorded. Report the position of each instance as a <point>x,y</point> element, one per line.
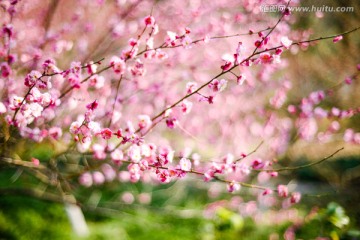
<point>328,222</point>
<point>23,218</point>
<point>227,220</point>
<point>335,214</point>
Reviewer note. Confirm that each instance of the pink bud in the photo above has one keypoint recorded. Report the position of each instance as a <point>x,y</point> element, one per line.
<point>8,29</point>
<point>348,80</point>
<point>267,192</point>
<point>337,38</point>
<point>93,105</point>
<point>292,109</point>
<point>35,161</point>
<point>227,66</point>
<point>266,40</point>
<point>149,21</point>
<point>278,51</point>
<point>171,122</point>
<point>5,70</point>
<point>118,133</point>
<point>86,179</point>
<point>287,12</point>
<point>258,43</point>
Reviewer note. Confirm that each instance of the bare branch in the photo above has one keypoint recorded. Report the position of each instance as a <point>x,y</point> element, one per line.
<point>300,167</point>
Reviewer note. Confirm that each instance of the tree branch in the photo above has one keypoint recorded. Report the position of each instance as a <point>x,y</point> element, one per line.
<point>300,167</point>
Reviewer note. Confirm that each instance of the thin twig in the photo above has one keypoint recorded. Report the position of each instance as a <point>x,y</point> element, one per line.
<point>115,100</point>
<point>299,167</point>
<point>250,153</point>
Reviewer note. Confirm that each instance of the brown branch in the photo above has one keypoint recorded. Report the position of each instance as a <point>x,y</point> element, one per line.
<point>250,153</point>
<point>22,163</point>
<point>46,196</point>
<point>300,167</point>
<point>272,29</point>
<point>312,40</point>
<point>217,76</point>
<point>236,65</point>
<point>244,184</point>
<point>49,17</point>
<point>220,74</point>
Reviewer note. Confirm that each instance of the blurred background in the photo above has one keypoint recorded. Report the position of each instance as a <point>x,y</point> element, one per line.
<point>192,209</point>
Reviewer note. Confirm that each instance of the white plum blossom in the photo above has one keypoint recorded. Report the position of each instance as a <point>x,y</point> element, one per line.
<point>97,81</point>
<point>117,155</point>
<point>118,65</point>
<point>286,42</point>
<point>75,127</point>
<point>134,153</point>
<point>35,109</point>
<point>2,108</point>
<point>185,164</point>
<point>144,121</point>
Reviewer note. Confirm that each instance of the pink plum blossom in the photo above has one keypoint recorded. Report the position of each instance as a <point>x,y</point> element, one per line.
<point>218,85</point>
<point>266,58</point>
<point>186,106</point>
<point>97,81</point>
<point>295,197</point>
<point>118,65</point>
<point>106,133</point>
<point>283,191</point>
<point>144,121</point>
<point>233,187</point>
<point>190,87</point>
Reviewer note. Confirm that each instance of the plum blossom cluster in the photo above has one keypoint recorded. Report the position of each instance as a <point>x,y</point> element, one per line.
<point>351,136</point>
<point>131,111</point>
<point>310,111</point>
<point>143,159</point>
